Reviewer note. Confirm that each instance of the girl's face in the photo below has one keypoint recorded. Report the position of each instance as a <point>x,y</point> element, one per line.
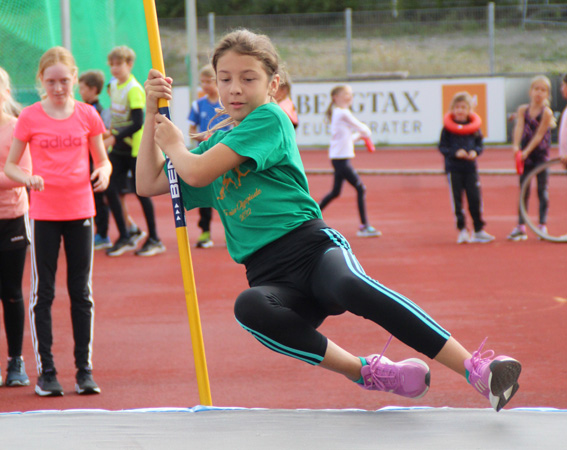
<point>87,93</point>
<point>461,111</point>
<point>209,86</point>
<point>539,92</point>
<point>57,81</point>
<point>564,89</point>
<point>243,84</point>
<point>344,98</point>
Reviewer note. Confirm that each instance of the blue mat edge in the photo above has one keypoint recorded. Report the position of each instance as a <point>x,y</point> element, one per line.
<point>202,408</point>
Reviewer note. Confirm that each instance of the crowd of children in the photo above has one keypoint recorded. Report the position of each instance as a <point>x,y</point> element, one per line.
<point>100,152</point>
<point>94,150</point>
<point>531,143</point>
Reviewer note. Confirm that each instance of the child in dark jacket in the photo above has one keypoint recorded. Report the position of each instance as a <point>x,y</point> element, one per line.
<point>461,144</point>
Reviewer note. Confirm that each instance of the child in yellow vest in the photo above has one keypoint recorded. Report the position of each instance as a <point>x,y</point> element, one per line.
<point>127,99</point>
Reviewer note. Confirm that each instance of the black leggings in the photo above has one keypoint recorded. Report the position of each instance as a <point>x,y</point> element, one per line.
<point>345,171</point>
<point>542,191</point>
<point>470,184</point>
<point>46,239</point>
<point>310,274</point>
<point>121,164</point>
<point>11,272</point>
<point>205,217</point>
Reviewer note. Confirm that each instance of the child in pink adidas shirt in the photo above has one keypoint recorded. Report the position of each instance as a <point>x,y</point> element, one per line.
<point>61,132</point>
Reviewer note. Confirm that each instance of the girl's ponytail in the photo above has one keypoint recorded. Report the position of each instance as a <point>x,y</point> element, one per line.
<point>335,91</point>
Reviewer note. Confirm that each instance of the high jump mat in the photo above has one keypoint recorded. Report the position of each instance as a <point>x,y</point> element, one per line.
<point>211,428</point>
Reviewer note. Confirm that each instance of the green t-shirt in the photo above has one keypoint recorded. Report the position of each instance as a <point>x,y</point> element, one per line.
<point>265,197</point>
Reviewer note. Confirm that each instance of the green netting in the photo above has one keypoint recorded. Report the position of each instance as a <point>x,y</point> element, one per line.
<point>29,27</point>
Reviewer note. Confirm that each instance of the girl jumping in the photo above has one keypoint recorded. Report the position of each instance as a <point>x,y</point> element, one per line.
<point>300,271</point>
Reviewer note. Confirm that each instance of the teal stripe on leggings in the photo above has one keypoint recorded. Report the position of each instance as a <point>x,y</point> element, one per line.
<point>310,358</point>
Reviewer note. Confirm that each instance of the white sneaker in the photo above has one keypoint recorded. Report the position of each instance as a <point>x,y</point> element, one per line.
<point>368,231</point>
<point>541,227</point>
<point>463,236</point>
<point>518,234</point>
<point>481,237</point>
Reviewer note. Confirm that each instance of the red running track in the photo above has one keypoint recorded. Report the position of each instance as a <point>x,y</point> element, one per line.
<point>514,293</point>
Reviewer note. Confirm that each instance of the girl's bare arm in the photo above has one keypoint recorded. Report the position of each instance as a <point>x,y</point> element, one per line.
<point>160,134</point>
<point>102,167</point>
<point>15,172</point>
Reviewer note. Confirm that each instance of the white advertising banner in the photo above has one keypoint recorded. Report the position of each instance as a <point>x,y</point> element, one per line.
<point>400,112</point>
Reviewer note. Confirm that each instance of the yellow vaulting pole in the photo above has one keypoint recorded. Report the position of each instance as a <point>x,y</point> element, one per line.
<point>180,225</point>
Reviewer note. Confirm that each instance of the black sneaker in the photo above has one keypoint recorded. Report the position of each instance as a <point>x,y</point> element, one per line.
<point>121,246</point>
<point>136,235</point>
<point>16,373</point>
<point>48,386</point>
<point>151,247</point>
<point>85,383</point>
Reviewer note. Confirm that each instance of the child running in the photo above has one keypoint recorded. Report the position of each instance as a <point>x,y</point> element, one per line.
<point>14,239</point>
<point>61,133</point>
<point>532,136</point>
<point>203,115</point>
<point>461,152</point>
<point>345,130</point>
<point>299,270</point>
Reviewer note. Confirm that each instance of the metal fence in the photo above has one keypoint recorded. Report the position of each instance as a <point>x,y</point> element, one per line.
<point>526,38</point>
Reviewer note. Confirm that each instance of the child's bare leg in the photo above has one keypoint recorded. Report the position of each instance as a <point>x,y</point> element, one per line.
<point>409,378</point>
<point>339,360</point>
<point>453,356</point>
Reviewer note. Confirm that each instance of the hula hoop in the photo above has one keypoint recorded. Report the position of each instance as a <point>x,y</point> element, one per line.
<point>523,210</point>
<point>462,128</point>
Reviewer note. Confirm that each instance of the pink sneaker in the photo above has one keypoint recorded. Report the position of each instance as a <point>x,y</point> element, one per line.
<point>409,378</point>
<point>496,378</point>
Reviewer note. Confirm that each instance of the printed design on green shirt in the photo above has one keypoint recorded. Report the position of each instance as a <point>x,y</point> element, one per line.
<point>227,180</point>
<point>232,179</point>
